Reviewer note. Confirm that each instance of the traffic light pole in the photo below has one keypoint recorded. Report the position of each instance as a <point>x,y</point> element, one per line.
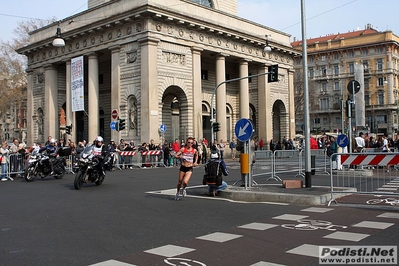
<point>214,92</point>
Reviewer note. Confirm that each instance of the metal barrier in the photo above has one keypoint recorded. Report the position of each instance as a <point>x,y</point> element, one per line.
<point>282,158</point>
<point>263,164</point>
<point>366,173</point>
<point>16,165</point>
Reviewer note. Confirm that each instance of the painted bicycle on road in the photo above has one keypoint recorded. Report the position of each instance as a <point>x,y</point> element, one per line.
<point>305,224</point>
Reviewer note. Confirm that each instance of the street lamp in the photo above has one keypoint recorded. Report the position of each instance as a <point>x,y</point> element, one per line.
<point>58,41</point>
<point>267,48</point>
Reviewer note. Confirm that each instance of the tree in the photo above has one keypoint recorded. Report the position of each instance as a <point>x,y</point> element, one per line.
<point>13,81</point>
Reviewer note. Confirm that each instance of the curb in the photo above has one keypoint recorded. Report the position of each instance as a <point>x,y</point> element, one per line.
<point>264,196</point>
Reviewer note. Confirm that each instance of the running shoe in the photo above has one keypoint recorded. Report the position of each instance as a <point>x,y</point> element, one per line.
<point>177,196</point>
<point>184,192</point>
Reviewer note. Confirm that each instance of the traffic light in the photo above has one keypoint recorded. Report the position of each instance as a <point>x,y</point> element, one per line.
<point>349,107</point>
<point>68,129</point>
<point>272,75</point>
<point>121,124</point>
<point>216,126</point>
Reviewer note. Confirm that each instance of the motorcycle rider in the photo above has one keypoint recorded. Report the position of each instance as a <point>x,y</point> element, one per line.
<point>51,150</point>
<point>100,151</point>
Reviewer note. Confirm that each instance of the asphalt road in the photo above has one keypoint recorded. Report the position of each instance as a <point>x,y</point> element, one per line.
<point>133,219</point>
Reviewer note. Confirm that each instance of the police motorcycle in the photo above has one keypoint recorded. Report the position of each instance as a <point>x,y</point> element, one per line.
<point>91,168</point>
<point>46,163</point>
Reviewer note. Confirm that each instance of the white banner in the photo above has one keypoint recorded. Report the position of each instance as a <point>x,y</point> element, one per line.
<point>77,84</point>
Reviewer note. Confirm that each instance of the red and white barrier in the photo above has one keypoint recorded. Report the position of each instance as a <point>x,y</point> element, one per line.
<point>127,153</point>
<point>151,153</point>
<point>373,159</point>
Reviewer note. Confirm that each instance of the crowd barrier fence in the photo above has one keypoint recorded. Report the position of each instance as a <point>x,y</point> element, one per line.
<point>365,173</point>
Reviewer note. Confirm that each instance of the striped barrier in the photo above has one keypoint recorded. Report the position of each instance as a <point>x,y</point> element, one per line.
<point>383,159</point>
<point>151,153</point>
<point>127,153</point>
<point>365,173</point>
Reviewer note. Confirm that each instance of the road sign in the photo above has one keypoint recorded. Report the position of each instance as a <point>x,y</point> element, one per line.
<point>162,128</point>
<point>114,114</point>
<point>353,86</point>
<point>112,125</point>
<point>342,140</point>
<point>243,129</point>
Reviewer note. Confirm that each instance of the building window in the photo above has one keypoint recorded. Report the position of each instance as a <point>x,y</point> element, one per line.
<point>351,54</point>
<point>365,52</point>
<point>366,66</point>
<point>380,82</point>
<point>336,70</point>
<point>324,87</point>
<point>317,120</point>
<point>298,61</point>
<point>336,56</point>
<point>336,86</point>
<point>338,120</point>
<point>381,119</point>
<point>380,64</point>
<point>311,59</point>
<point>325,120</point>
<point>204,74</point>
<point>379,50</point>
<point>323,71</point>
<point>324,104</point>
<point>367,99</point>
<point>380,97</point>
<point>323,58</point>
<point>351,68</point>
<point>311,72</point>
<point>203,2</point>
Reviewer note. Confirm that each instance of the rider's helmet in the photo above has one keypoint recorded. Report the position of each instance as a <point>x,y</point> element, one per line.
<point>53,141</point>
<point>98,140</point>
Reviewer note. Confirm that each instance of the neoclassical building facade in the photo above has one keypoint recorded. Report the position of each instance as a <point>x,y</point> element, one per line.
<point>158,63</point>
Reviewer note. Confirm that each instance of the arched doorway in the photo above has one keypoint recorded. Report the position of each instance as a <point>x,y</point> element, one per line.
<point>176,115</point>
<point>280,122</point>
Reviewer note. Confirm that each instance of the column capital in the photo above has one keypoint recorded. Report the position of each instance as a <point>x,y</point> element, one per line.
<point>115,48</point>
<point>92,55</point>
<point>49,67</point>
<point>196,49</point>
<point>220,55</point>
<point>149,40</point>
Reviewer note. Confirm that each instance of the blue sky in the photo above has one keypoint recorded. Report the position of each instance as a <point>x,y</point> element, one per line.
<point>323,16</point>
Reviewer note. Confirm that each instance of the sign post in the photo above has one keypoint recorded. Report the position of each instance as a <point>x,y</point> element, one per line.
<point>244,130</point>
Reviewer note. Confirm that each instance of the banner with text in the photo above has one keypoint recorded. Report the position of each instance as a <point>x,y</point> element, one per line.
<point>77,84</point>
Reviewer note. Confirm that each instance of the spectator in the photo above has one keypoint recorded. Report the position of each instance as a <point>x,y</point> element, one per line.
<point>4,157</point>
<point>232,147</point>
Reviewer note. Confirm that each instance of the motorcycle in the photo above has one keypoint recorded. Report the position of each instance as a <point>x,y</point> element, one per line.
<point>40,164</point>
<point>88,171</point>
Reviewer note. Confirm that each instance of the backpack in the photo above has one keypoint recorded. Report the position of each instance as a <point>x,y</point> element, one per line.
<point>329,151</point>
<point>213,173</point>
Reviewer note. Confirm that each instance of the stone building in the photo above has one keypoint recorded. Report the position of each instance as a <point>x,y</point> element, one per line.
<point>158,63</point>
<point>367,56</point>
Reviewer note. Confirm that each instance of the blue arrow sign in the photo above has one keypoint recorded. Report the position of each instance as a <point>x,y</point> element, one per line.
<point>162,128</point>
<point>342,140</point>
<point>243,129</point>
<point>112,125</point>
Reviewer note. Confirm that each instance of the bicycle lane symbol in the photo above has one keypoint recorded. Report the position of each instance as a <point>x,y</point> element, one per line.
<point>307,225</point>
<point>183,262</point>
<point>390,201</point>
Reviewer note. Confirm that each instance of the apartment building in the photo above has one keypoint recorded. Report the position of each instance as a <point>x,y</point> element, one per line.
<point>368,56</point>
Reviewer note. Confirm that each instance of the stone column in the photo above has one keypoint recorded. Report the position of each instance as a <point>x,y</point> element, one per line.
<point>93,97</point>
<point>197,93</point>
<point>115,87</point>
<point>69,117</point>
<point>51,123</point>
<point>265,115</point>
<point>30,138</point>
<point>221,97</point>
<point>149,123</point>
<point>244,90</point>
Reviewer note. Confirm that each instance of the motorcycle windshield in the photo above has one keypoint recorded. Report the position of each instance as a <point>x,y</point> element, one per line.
<point>86,152</point>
